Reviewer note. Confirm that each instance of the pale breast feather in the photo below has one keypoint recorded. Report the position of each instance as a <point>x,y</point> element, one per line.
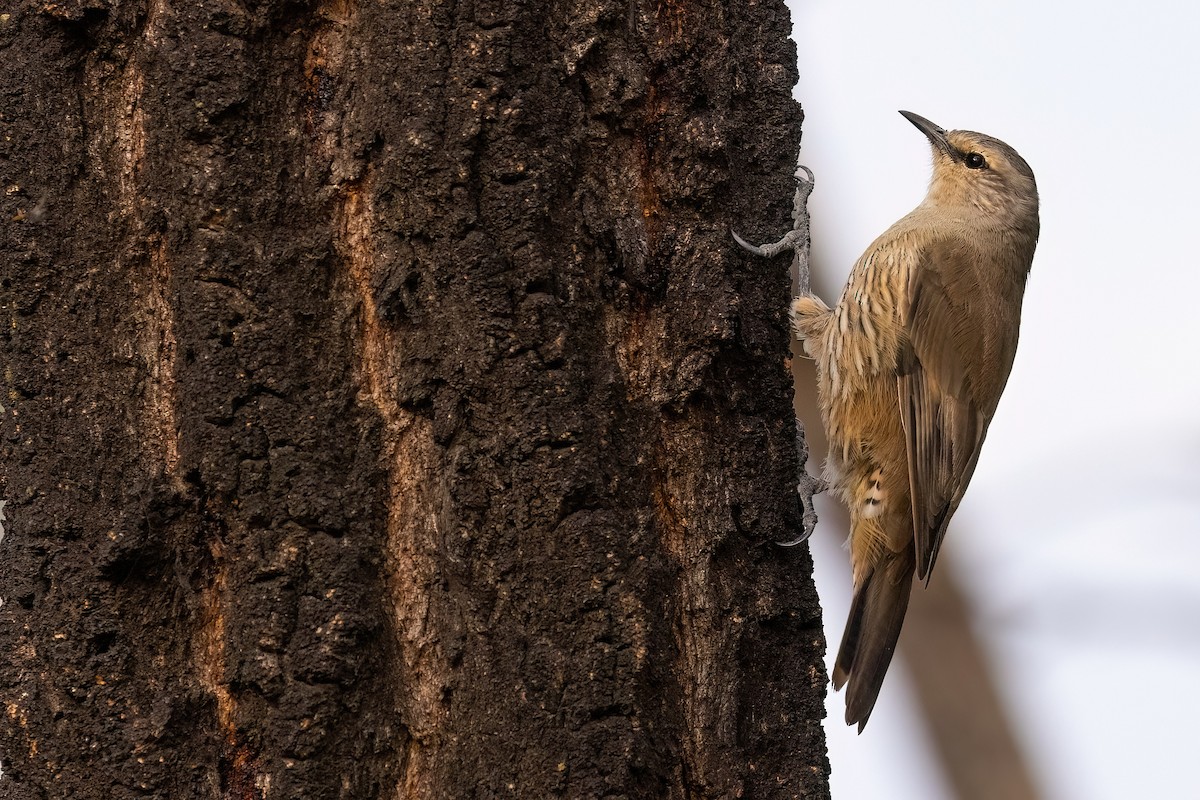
<point>866,333</point>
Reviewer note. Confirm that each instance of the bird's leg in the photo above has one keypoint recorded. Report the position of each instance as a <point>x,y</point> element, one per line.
<point>797,240</point>
<point>807,487</point>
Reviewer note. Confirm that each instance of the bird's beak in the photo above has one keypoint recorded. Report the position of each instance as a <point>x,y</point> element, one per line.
<point>936,135</point>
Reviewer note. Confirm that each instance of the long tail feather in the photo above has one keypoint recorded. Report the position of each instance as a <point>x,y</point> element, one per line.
<point>876,614</point>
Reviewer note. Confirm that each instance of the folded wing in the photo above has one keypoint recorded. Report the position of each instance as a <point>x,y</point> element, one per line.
<point>944,426</point>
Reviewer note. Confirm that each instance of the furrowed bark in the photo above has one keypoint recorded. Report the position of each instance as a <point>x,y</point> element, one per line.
<point>387,413</point>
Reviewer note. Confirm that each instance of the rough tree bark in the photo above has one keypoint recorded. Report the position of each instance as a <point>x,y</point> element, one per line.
<point>387,412</point>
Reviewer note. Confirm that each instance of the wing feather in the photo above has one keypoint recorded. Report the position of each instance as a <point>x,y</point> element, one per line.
<point>943,424</point>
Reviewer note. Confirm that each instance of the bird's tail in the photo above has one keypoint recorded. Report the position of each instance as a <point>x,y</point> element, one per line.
<point>876,614</point>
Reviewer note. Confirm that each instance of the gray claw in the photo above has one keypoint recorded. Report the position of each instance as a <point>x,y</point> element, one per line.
<point>758,251</point>
<point>789,242</point>
<point>797,238</point>
<point>808,487</point>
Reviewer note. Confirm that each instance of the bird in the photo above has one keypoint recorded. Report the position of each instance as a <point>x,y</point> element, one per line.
<point>911,363</point>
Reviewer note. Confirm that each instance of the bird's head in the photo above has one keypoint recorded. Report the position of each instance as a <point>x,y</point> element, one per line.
<point>974,170</point>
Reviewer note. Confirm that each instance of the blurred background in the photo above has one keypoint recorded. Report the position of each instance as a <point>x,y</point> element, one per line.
<point>1056,654</point>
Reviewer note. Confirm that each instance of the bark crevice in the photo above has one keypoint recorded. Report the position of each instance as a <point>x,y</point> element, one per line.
<point>403,424</point>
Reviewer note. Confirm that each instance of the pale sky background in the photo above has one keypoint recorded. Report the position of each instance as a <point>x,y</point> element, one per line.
<point>1079,539</point>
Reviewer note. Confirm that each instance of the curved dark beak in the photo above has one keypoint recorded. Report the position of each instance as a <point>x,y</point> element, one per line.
<point>936,135</point>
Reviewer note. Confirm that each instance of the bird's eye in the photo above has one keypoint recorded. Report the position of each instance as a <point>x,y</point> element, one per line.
<point>975,161</point>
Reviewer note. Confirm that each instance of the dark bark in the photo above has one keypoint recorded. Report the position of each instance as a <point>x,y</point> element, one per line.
<point>387,412</point>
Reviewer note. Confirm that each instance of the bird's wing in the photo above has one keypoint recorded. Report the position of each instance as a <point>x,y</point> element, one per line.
<point>943,425</point>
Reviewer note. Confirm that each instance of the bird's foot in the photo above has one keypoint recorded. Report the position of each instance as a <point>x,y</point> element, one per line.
<point>790,241</point>
<point>797,241</point>
<point>797,237</point>
<point>807,487</point>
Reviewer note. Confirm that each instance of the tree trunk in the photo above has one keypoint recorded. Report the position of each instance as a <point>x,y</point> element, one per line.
<point>386,411</point>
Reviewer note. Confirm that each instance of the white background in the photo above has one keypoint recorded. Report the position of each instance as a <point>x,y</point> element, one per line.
<point>1080,537</point>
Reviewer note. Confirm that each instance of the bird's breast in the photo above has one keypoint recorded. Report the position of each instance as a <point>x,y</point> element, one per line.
<point>865,334</point>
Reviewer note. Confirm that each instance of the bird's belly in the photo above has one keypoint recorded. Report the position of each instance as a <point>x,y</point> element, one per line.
<point>867,466</point>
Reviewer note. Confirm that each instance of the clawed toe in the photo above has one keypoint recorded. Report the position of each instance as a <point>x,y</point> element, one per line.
<point>790,241</point>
